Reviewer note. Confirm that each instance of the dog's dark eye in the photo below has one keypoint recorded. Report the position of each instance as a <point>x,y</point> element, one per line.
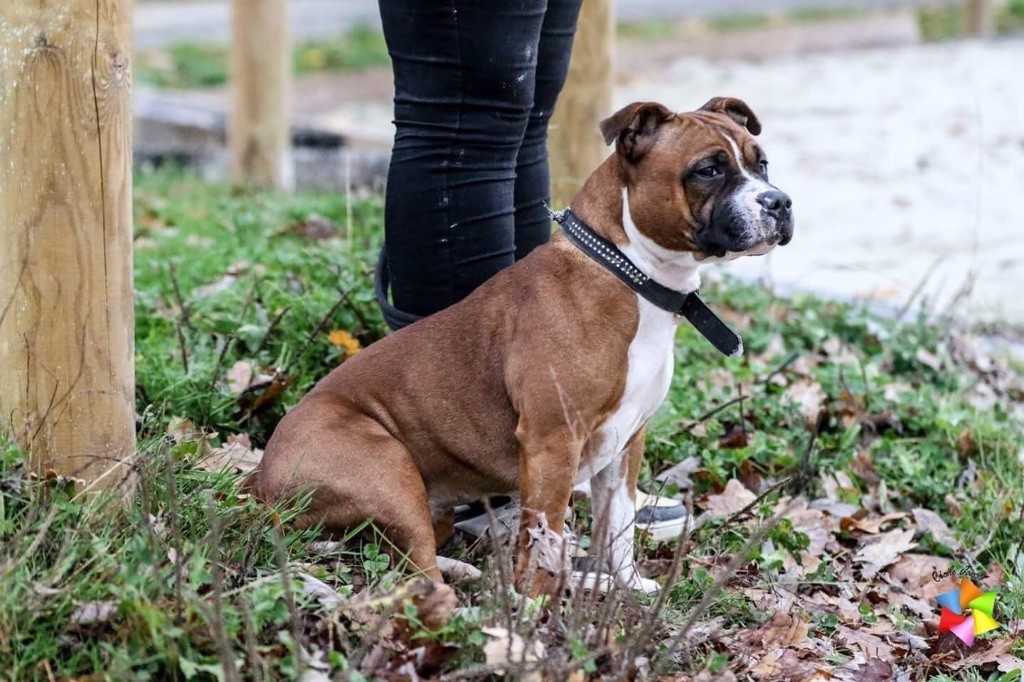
<point>708,172</point>
<point>763,165</point>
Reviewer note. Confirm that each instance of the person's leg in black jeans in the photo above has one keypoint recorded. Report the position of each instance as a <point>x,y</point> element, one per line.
<point>533,179</point>
<point>464,87</point>
<point>476,82</point>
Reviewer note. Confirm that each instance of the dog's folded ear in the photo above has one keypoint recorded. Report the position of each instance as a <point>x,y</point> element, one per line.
<point>632,128</point>
<point>737,110</point>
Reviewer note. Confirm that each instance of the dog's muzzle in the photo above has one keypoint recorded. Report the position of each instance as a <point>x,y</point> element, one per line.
<point>778,207</point>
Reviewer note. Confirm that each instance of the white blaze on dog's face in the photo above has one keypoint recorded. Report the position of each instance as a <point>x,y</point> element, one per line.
<point>697,182</point>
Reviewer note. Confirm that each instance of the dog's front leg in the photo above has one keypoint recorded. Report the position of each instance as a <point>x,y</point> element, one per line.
<point>613,491</point>
<point>548,459</point>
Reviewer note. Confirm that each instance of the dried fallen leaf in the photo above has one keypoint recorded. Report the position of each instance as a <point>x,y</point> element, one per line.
<point>883,550</point>
<point>809,397</point>
<point>928,359</point>
<point>849,613</point>
<point>679,475</point>
<point>818,528</point>
<point>315,227</point>
<point>347,344</point>
<point>731,500</point>
<point>783,666</point>
<point>863,642</point>
<point>919,607</point>
<point>263,392</point>
<point>917,570</point>
<point>896,389</point>
<point>240,376</point>
<point>736,439</point>
<point>783,631</point>
<point>325,595</point>
<point>222,284</point>
<point>863,467</point>
<point>930,522</point>
<point>235,455</point>
<point>873,670</point>
<point>998,652</point>
<point>182,429</point>
<point>835,508</point>
<point>456,571</point>
<point>870,525</point>
<point>508,647</point>
<point>93,612</point>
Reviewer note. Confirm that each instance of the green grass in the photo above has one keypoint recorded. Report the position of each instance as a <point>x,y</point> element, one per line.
<point>188,577</point>
<point>191,65</point>
<point>936,23</point>
<point>946,23</point>
<point>730,23</point>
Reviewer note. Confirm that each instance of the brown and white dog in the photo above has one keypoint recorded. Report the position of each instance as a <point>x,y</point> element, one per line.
<point>546,375</point>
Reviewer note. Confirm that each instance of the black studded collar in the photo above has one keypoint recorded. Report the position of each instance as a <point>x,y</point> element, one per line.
<point>688,304</point>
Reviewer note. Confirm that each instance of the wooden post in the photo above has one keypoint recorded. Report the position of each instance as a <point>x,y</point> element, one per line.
<point>979,18</point>
<point>261,59</point>
<point>575,146</point>
<point>67,378</point>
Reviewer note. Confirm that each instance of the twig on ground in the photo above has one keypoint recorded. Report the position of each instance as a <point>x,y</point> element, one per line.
<point>743,513</point>
<point>500,554</point>
<point>220,635</point>
<point>183,347</point>
<point>230,342</point>
<point>271,328</point>
<point>711,593</point>
<point>177,541</point>
<point>918,288</point>
<point>280,557</point>
<point>790,359</point>
<point>186,318</point>
<point>647,625</point>
<point>316,331</point>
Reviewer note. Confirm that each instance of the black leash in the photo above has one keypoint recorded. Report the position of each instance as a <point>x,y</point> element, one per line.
<point>689,305</point>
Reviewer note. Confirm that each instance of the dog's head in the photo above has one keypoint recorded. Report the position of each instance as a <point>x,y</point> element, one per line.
<point>698,181</point>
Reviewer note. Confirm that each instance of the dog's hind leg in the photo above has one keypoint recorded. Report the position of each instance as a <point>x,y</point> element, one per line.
<point>357,472</point>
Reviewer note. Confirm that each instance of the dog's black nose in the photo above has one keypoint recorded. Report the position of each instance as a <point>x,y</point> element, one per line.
<point>775,201</point>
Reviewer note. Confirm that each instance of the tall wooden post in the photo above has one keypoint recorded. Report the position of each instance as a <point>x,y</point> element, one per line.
<point>575,146</point>
<point>258,130</point>
<point>67,382</point>
<point>979,18</point>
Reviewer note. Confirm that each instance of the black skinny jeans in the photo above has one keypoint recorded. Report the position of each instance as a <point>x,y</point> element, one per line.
<point>475,85</point>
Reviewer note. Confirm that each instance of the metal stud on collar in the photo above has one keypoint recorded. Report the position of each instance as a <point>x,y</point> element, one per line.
<point>614,259</point>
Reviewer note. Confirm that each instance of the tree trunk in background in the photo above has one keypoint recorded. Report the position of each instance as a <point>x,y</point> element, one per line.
<point>575,144</point>
<point>979,18</point>
<point>260,79</point>
<point>67,378</point>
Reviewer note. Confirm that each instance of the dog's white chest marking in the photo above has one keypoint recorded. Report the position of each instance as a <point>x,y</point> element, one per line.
<point>648,374</point>
<point>650,356</point>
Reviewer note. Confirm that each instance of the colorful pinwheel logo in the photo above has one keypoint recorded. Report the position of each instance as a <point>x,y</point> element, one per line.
<point>967,611</point>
